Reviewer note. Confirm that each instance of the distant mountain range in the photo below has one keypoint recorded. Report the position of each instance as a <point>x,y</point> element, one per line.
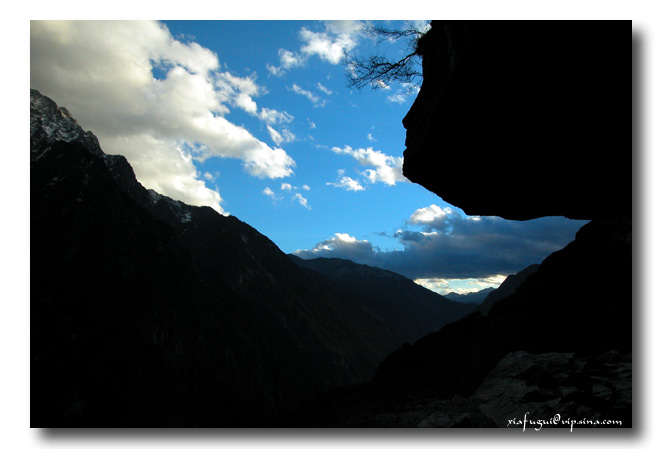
<point>473,297</point>
<point>149,312</point>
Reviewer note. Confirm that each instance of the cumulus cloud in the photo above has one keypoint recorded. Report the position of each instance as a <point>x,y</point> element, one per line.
<point>158,101</point>
<point>330,45</point>
<point>286,186</point>
<point>386,169</point>
<point>441,243</point>
<point>341,245</point>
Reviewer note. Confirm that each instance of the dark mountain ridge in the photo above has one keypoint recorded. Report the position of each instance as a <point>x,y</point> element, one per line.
<point>146,311</point>
<point>507,288</point>
<point>473,297</point>
<point>414,310</point>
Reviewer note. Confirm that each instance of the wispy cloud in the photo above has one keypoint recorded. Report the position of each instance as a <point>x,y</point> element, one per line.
<point>405,91</point>
<point>314,99</point>
<point>273,117</point>
<point>301,200</point>
<point>324,89</point>
<point>270,193</point>
<point>284,136</point>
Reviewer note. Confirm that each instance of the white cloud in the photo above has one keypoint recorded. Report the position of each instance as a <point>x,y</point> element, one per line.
<point>285,186</point>
<point>330,46</point>
<point>312,124</point>
<point>324,89</point>
<point>305,187</point>
<point>270,193</point>
<point>387,169</point>
<point>279,137</point>
<point>288,60</point>
<point>272,116</point>
<point>275,135</point>
<point>341,245</point>
<point>397,98</point>
<point>460,286</point>
<point>240,91</point>
<point>347,27</point>
<point>314,99</point>
<point>452,247</point>
<point>301,200</point>
<point>339,37</point>
<point>430,215</point>
<point>404,91</point>
<point>347,183</point>
<point>371,138</point>
<point>287,135</point>
<point>102,71</point>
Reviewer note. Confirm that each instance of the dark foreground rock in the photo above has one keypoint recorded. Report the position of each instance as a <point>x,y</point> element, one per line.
<point>549,390</point>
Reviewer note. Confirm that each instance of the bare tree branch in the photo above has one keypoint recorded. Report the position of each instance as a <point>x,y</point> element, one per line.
<point>379,71</point>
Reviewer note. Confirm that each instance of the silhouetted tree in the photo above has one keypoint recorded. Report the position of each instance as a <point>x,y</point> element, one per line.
<point>379,70</point>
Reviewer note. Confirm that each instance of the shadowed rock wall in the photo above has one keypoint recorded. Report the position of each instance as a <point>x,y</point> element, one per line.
<point>525,119</point>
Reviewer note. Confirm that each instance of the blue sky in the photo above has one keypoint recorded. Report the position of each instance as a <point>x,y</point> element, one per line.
<point>254,119</point>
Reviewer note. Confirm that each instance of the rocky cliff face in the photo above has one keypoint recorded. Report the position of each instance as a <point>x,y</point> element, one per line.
<point>525,119</point>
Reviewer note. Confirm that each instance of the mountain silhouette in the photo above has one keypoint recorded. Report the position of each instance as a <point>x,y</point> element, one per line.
<point>149,312</point>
